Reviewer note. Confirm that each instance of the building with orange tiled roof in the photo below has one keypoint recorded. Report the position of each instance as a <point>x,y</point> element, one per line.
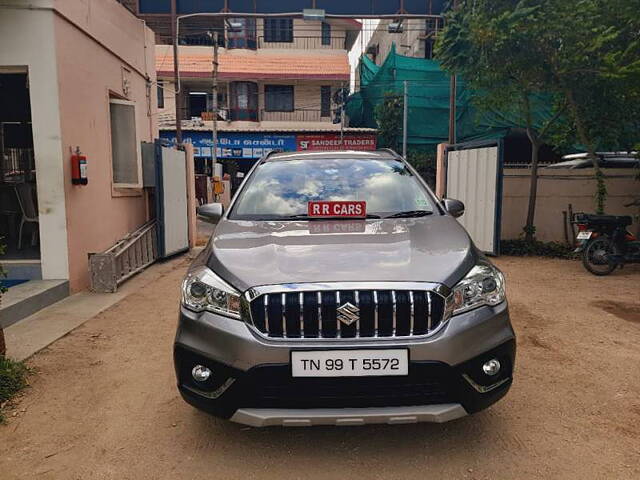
<point>279,80</point>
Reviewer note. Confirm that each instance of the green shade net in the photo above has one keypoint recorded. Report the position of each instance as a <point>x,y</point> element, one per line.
<point>428,90</point>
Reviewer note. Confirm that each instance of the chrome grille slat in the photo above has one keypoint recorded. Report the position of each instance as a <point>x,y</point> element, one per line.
<point>428,311</point>
<point>301,303</point>
<point>338,322</point>
<point>375,313</point>
<point>403,311</point>
<point>357,300</point>
<point>266,313</point>
<point>412,312</point>
<point>283,305</point>
<point>319,314</point>
<point>393,315</point>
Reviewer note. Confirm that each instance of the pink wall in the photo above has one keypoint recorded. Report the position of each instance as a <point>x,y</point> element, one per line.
<point>91,55</point>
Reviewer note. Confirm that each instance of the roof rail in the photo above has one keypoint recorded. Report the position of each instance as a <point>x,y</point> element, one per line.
<point>392,152</point>
<point>268,154</point>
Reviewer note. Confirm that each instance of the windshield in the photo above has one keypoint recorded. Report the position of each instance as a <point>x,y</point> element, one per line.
<point>282,189</point>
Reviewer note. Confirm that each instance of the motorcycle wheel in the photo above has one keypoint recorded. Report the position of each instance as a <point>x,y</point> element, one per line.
<point>596,256</point>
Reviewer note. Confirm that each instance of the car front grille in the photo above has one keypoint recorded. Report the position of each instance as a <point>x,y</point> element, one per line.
<point>346,312</point>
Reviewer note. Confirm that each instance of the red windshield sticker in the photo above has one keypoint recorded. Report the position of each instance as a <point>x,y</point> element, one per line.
<point>337,209</point>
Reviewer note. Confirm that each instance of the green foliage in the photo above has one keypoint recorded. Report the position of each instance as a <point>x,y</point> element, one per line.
<point>524,248</point>
<point>585,54</point>
<point>601,191</point>
<point>529,230</point>
<point>495,46</point>
<point>424,161</point>
<point>13,378</point>
<point>389,119</point>
<point>597,71</point>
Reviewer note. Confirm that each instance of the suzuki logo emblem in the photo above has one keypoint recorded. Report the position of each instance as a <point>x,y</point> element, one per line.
<point>348,313</point>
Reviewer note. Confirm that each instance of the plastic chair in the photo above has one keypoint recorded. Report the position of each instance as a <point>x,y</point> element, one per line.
<point>24,192</point>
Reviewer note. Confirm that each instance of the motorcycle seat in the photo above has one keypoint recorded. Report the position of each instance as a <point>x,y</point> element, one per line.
<point>593,219</point>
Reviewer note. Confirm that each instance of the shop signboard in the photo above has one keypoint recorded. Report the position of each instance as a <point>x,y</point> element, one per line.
<point>235,145</point>
<point>332,141</point>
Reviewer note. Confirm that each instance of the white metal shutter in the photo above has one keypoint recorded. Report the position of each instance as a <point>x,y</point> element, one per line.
<point>472,177</point>
<point>174,199</point>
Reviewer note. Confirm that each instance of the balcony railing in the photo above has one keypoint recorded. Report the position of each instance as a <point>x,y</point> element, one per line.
<point>306,43</point>
<point>300,115</point>
<point>298,42</point>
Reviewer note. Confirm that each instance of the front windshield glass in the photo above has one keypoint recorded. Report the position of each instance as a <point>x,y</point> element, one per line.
<point>282,189</point>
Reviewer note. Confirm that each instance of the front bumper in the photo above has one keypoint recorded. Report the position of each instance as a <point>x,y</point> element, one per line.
<point>269,417</point>
<point>252,383</point>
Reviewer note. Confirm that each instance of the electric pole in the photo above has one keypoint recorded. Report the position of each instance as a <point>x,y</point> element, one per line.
<point>214,155</point>
<point>405,115</point>
<point>176,66</point>
<point>342,105</point>
<point>452,101</point>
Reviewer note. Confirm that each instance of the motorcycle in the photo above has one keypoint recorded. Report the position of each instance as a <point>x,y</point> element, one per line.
<point>605,243</point>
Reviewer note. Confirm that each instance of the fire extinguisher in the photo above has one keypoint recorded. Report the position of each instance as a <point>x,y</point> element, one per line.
<point>79,168</point>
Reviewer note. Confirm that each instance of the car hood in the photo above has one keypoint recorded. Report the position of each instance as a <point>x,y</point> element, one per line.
<point>430,249</point>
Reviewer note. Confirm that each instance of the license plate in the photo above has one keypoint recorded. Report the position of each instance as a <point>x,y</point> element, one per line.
<point>350,363</point>
<point>585,235</point>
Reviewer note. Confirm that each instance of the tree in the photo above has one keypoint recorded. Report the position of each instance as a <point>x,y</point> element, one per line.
<point>583,55</point>
<point>389,119</point>
<point>593,53</point>
<point>495,46</point>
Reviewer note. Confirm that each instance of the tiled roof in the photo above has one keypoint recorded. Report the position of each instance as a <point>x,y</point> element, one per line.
<point>261,64</point>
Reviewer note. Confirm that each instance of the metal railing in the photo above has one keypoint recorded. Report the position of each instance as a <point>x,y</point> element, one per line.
<point>263,115</point>
<point>306,43</point>
<point>299,115</point>
<point>297,42</point>
<point>16,161</point>
<point>127,257</point>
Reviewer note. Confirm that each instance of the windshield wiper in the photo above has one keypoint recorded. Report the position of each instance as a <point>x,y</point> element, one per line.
<point>410,213</point>
<point>304,216</point>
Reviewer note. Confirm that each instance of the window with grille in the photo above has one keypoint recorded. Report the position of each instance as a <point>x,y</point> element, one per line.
<point>125,155</point>
<point>326,33</point>
<point>278,30</point>
<point>160,94</point>
<point>244,101</point>
<point>325,101</point>
<point>245,37</point>
<point>278,98</point>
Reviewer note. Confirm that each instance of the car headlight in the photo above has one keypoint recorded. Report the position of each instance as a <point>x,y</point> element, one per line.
<point>483,285</point>
<point>204,290</point>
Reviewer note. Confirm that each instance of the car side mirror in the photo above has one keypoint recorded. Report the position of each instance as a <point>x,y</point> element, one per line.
<point>454,207</point>
<point>210,212</point>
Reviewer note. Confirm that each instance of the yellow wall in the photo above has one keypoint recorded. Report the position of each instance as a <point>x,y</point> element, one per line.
<point>556,190</point>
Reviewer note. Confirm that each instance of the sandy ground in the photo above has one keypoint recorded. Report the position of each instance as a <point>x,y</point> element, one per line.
<point>103,403</point>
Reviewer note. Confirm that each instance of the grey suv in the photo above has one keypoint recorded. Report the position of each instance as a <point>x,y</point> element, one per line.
<point>337,289</point>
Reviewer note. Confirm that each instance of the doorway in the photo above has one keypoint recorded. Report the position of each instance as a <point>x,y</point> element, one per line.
<point>19,226</point>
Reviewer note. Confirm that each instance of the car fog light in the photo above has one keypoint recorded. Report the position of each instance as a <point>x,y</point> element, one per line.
<point>492,367</point>
<point>200,373</point>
